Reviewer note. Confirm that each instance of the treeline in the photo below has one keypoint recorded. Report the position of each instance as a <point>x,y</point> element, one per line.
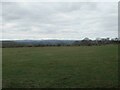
<point>84,42</point>
<point>89,42</point>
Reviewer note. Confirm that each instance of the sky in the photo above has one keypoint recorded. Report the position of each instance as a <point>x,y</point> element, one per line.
<point>59,20</point>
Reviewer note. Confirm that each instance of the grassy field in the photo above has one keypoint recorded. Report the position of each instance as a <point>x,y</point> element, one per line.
<point>64,67</point>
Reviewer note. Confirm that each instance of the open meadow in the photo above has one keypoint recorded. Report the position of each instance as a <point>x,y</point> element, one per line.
<point>60,67</point>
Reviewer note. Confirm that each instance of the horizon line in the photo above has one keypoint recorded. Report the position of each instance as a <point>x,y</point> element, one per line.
<point>58,39</point>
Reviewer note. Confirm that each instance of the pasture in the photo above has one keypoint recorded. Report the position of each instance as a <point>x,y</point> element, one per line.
<point>60,67</point>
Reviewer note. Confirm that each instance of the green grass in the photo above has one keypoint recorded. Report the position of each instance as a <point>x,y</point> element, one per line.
<point>60,67</point>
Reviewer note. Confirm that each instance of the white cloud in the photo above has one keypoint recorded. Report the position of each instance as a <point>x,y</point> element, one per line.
<point>60,20</point>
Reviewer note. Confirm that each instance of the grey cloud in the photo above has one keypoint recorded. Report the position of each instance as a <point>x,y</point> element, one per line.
<point>59,20</point>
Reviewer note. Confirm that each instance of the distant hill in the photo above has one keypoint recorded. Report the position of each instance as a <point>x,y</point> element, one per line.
<point>42,43</point>
<point>22,43</point>
<point>45,42</point>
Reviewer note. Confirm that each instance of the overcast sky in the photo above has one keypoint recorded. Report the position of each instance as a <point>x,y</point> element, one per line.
<point>63,20</point>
